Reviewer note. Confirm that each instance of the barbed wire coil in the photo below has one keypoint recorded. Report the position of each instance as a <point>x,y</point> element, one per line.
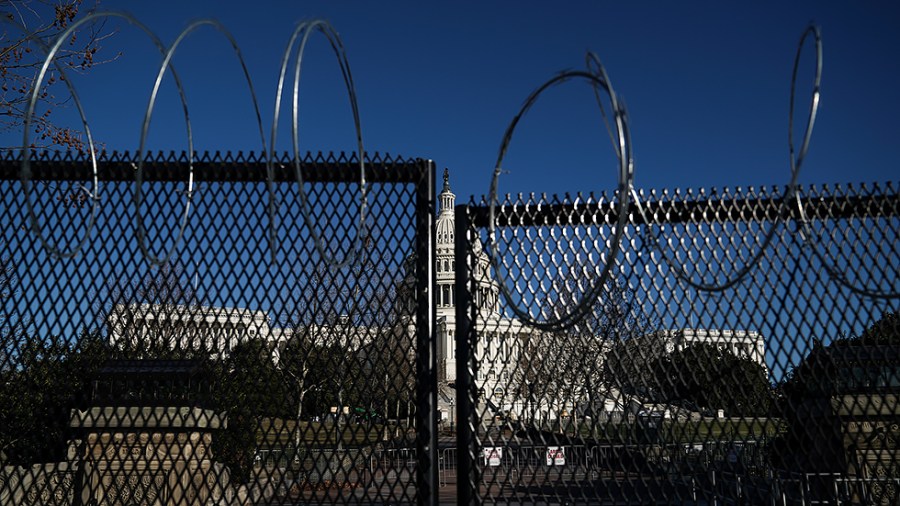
<point>303,33</point>
<point>795,165</point>
<point>25,172</point>
<point>597,77</point>
<point>145,129</point>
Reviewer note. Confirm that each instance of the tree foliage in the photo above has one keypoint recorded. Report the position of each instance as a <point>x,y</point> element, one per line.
<point>804,396</point>
<point>319,375</point>
<point>568,367</point>
<point>52,377</point>
<point>22,55</point>
<point>816,373</point>
<point>247,388</point>
<point>705,375</point>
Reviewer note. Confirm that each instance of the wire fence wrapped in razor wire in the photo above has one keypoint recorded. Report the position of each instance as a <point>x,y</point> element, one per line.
<point>585,349</point>
<point>301,33</point>
<point>652,371</point>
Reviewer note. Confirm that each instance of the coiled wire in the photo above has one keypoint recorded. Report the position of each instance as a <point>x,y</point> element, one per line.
<point>792,193</point>
<point>303,33</point>
<point>597,77</point>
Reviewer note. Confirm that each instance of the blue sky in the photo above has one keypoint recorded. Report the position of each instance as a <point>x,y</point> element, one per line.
<point>706,85</point>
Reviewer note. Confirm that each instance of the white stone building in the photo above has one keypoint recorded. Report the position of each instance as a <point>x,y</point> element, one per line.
<point>741,343</point>
<point>217,329</point>
<point>500,337</point>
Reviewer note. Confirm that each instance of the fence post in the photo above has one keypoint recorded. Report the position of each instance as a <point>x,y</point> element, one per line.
<point>426,356</point>
<point>465,342</point>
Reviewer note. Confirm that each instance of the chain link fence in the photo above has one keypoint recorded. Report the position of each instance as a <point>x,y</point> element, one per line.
<point>717,347</point>
<point>713,365</point>
<point>248,366</point>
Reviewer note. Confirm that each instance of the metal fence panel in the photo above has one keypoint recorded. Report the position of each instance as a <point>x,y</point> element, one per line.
<point>244,369</point>
<point>711,364</point>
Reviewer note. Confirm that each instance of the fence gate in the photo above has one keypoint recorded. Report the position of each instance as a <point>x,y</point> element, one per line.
<point>732,347</point>
<point>213,333</point>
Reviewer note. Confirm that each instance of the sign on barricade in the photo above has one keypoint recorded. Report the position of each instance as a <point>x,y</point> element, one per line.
<point>556,456</point>
<point>492,456</point>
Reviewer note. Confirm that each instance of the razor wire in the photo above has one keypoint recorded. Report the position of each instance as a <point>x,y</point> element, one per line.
<point>302,32</point>
<point>599,80</point>
<point>622,146</point>
<point>803,223</point>
<point>95,197</point>
<point>145,129</point>
<point>792,193</point>
<point>25,172</point>
<point>795,165</point>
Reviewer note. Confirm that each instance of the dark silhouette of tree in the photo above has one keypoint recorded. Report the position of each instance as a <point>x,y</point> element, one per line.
<point>51,377</point>
<point>10,330</point>
<point>707,376</point>
<point>861,364</point>
<point>315,386</point>
<point>247,388</point>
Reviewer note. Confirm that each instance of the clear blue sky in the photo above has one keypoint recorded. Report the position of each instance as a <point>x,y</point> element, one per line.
<point>706,84</point>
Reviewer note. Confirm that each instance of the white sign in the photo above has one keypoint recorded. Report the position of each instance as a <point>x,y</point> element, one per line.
<point>556,456</point>
<point>492,456</point>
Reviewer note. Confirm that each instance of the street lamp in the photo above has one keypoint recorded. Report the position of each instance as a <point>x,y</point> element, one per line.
<point>452,413</point>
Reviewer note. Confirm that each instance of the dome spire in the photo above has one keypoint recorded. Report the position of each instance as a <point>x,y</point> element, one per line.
<point>448,199</point>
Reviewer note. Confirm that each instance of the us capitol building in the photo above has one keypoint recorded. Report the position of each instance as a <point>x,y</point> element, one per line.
<point>499,349</point>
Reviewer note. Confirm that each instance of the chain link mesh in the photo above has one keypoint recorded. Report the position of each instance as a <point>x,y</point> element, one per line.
<point>226,378</point>
<point>222,377</point>
<point>781,389</point>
